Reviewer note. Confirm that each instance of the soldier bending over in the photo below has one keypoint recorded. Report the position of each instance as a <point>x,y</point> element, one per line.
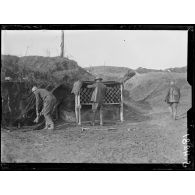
<point>49,103</point>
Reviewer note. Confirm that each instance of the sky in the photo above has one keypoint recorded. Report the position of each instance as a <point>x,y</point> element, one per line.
<point>125,48</point>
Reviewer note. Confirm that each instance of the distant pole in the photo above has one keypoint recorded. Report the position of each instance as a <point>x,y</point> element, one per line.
<point>62,44</point>
<point>26,50</point>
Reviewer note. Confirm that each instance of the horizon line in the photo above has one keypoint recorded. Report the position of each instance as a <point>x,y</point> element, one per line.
<point>66,57</point>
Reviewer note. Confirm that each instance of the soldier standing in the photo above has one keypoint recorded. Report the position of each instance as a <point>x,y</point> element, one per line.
<point>97,98</point>
<point>172,99</point>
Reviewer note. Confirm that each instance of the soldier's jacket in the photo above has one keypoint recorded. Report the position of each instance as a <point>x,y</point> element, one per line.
<point>173,95</point>
<point>98,93</point>
<point>48,99</point>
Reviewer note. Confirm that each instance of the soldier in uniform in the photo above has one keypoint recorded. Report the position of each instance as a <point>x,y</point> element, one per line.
<point>172,98</point>
<point>97,98</point>
<point>49,103</point>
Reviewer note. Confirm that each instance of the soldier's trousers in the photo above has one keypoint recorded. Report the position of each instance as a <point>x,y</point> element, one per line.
<point>48,108</point>
<point>48,121</point>
<point>173,109</point>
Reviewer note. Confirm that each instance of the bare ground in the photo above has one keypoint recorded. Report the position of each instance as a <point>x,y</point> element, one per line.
<point>155,140</point>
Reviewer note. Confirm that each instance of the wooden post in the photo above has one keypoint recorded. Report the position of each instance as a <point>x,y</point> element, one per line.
<point>62,45</point>
<point>79,110</point>
<point>76,108</point>
<point>121,106</point>
<point>101,116</point>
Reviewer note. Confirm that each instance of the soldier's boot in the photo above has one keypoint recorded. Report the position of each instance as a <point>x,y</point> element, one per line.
<point>174,114</point>
<point>46,126</point>
<point>51,127</point>
<point>49,122</point>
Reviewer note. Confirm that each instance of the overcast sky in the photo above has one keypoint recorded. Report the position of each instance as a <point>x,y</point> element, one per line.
<point>133,49</point>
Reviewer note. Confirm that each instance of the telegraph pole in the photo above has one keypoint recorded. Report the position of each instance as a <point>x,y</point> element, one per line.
<point>62,44</point>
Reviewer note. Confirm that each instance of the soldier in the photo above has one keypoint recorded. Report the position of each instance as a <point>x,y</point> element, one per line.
<point>97,98</point>
<point>49,103</point>
<point>172,99</point>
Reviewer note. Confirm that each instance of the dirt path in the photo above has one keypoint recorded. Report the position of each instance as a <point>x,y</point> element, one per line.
<point>157,140</point>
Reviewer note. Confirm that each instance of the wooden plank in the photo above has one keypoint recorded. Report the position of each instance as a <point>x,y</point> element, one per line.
<point>121,107</point>
<point>104,104</point>
<point>76,108</point>
<point>79,110</point>
<point>101,116</point>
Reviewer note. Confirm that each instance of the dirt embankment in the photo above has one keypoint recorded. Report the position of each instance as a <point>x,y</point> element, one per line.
<point>152,88</point>
<point>45,72</point>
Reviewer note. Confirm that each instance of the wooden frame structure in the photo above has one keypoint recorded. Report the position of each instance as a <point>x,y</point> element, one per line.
<point>114,96</point>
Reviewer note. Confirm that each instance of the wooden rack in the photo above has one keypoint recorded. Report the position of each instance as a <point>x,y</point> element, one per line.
<point>114,96</point>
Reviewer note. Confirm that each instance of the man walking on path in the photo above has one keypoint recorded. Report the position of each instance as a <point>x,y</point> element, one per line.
<point>172,99</point>
<point>97,98</point>
<point>49,103</point>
